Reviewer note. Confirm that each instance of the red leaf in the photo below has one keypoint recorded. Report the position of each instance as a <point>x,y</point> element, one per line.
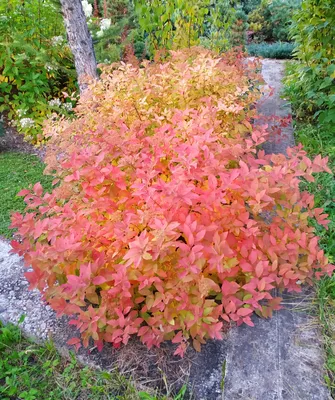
<point>73,341</point>
<point>243,312</point>
<point>259,269</point>
<point>98,280</point>
<point>76,342</point>
<point>38,190</point>
<point>23,192</point>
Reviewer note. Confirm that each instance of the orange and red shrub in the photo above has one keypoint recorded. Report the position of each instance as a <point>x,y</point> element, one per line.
<point>166,219</point>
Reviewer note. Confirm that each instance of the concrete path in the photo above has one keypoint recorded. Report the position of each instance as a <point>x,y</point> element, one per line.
<point>279,359</point>
<point>272,72</point>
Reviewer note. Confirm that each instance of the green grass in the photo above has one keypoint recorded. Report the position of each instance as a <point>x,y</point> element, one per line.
<point>319,141</point>
<point>29,371</point>
<point>32,372</point>
<point>17,171</point>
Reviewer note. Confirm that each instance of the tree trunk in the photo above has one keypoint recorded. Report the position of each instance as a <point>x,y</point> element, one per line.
<point>80,42</point>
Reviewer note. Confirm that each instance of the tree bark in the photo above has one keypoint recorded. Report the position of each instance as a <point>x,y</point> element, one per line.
<point>80,42</point>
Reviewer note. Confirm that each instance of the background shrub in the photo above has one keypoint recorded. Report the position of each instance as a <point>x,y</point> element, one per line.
<point>310,81</point>
<point>115,31</point>
<point>249,5</point>
<point>272,19</point>
<point>165,220</point>
<point>279,50</point>
<point>178,24</point>
<point>238,34</point>
<point>35,64</point>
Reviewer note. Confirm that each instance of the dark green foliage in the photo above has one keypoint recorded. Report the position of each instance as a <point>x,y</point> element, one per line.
<point>279,50</point>
<point>271,21</point>
<point>249,5</point>
<point>2,127</point>
<point>311,81</point>
<point>238,33</point>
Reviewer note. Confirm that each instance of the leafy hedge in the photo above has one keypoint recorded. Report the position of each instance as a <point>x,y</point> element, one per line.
<point>279,50</point>
<point>310,83</point>
<point>165,220</point>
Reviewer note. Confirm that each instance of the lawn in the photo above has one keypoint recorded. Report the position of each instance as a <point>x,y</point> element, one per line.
<point>17,171</point>
<point>32,372</point>
<point>317,141</point>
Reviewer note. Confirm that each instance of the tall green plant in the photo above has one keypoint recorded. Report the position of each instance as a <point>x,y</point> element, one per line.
<point>176,24</point>
<point>311,82</point>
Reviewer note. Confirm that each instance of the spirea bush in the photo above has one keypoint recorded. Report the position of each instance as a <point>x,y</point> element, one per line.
<point>165,219</point>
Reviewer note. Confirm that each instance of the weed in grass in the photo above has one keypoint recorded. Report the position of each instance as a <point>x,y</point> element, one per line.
<point>32,372</point>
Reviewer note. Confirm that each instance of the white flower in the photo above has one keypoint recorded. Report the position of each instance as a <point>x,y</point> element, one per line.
<point>67,106</point>
<point>27,122</point>
<point>105,23</point>
<point>55,103</point>
<point>88,9</point>
<point>99,33</point>
<point>56,40</point>
<point>49,67</point>
<point>20,112</point>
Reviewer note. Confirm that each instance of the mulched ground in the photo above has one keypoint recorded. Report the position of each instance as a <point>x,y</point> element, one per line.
<point>12,141</point>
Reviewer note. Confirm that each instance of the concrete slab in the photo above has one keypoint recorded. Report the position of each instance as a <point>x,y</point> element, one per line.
<point>275,105</point>
<point>280,358</point>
